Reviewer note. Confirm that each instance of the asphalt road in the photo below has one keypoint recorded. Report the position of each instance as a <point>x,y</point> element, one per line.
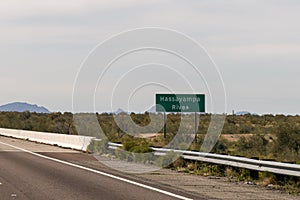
<point>26,175</point>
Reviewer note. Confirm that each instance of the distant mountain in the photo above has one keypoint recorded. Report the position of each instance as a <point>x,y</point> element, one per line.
<point>22,107</point>
<point>244,113</point>
<point>152,109</point>
<point>119,111</point>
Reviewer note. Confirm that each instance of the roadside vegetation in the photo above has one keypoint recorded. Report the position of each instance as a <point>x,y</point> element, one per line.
<point>269,137</point>
<point>266,137</point>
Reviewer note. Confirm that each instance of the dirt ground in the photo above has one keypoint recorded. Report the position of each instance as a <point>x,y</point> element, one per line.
<point>236,137</point>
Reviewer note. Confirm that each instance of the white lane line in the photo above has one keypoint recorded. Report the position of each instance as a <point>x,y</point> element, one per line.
<point>102,173</point>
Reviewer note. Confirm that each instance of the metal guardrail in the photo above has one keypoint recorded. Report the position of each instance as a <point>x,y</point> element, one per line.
<point>241,162</point>
<point>113,145</point>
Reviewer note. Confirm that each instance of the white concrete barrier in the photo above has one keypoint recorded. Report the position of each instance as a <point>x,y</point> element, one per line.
<point>68,141</point>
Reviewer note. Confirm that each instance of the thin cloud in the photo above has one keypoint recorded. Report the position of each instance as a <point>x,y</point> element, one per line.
<point>20,8</point>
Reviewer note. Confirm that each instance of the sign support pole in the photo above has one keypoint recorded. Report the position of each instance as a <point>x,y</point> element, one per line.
<point>165,126</point>
<point>195,127</point>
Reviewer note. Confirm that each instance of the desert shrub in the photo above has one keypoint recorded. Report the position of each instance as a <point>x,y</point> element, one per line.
<point>253,146</point>
<point>136,145</point>
<point>98,146</point>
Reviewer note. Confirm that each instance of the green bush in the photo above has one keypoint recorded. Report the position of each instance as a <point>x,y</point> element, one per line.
<point>136,145</point>
<point>98,147</point>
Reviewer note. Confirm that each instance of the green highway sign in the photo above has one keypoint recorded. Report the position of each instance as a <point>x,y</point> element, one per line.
<point>180,103</point>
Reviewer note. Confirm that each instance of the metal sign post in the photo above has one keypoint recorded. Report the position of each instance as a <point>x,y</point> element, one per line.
<point>165,126</point>
<point>195,127</point>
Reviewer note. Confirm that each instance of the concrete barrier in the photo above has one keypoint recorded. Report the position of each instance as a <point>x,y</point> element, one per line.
<point>68,141</point>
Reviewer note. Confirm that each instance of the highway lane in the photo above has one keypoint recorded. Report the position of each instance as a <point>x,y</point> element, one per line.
<point>25,176</point>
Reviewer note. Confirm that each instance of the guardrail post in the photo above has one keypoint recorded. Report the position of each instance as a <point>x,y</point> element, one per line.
<point>254,174</point>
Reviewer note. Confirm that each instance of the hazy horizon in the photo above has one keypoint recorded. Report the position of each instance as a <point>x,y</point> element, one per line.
<point>236,112</point>
<point>255,45</point>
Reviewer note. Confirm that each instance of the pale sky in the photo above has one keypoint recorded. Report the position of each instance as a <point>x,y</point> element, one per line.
<point>255,44</point>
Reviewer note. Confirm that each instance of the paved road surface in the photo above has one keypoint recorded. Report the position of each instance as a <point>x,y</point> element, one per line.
<point>25,176</point>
